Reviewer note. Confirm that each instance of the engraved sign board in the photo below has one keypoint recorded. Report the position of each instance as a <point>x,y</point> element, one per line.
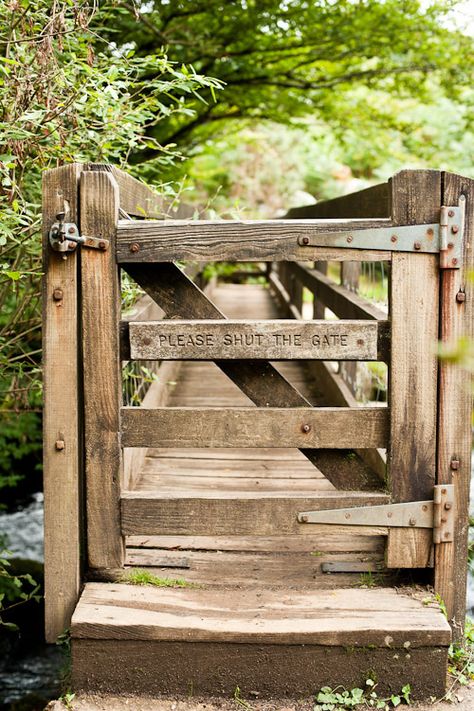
<point>269,340</point>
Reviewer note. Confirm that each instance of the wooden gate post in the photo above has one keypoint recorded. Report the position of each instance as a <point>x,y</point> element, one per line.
<point>61,425</point>
<point>455,406</point>
<point>416,198</point>
<point>100,298</point>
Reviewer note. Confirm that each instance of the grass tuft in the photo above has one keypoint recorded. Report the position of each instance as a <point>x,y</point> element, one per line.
<point>138,576</point>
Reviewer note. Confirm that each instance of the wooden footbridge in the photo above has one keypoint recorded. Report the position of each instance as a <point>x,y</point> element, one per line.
<point>295,536</point>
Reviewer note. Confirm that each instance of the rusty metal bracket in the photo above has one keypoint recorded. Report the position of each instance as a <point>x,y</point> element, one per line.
<point>437,514</point>
<point>64,237</point>
<point>445,238</point>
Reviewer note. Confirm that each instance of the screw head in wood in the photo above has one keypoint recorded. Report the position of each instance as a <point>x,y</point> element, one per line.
<point>454,466</point>
<point>306,428</point>
<point>134,247</point>
<point>59,444</point>
<point>350,238</point>
<point>455,229</point>
<point>417,245</point>
<point>58,294</point>
<point>461,297</point>
<point>146,341</point>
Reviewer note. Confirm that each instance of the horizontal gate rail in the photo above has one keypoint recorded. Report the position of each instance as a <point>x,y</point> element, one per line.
<point>272,340</point>
<point>269,240</point>
<point>238,515</point>
<point>301,427</point>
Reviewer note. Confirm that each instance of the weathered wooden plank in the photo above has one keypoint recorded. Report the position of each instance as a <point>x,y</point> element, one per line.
<point>342,302</point>
<point>260,381</point>
<point>150,513</point>
<point>102,373</point>
<point>349,276</point>
<point>138,198</point>
<point>61,421</point>
<point>455,407</point>
<point>271,240</point>
<point>304,428</point>
<point>269,340</point>
<point>370,202</point>
<point>416,197</point>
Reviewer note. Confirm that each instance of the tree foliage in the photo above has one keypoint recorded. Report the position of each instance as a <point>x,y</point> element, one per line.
<point>284,60</point>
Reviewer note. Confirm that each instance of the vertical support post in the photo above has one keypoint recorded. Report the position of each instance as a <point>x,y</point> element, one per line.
<point>416,198</point>
<point>455,407</point>
<point>318,306</point>
<point>61,423</point>
<point>102,374</point>
<point>350,272</point>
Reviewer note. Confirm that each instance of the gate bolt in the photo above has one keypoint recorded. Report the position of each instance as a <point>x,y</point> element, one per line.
<point>57,294</point>
<point>59,444</point>
<point>461,297</point>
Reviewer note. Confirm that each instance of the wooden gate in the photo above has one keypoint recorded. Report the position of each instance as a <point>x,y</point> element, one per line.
<point>420,223</point>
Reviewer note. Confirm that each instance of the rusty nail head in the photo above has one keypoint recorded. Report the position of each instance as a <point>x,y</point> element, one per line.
<point>424,507</point>
<point>350,238</point>
<point>134,247</point>
<point>305,240</point>
<point>412,522</point>
<point>59,444</point>
<point>450,245</point>
<point>447,534</point>
<point>461,297</point>
<point>57,294</point>
<point>71,230</point>
<point>455,229</point>
<point>146,341</point>
<point>306,428</point>
<point>72,245</point>
<point>443,491</point>
<point>448,506</point>
<point>454,466</point>
<point>451,213</point>
<point>393,238</point>
<point>417,245</point>
<point>102,245</point>
<point>430,232</point>
<point>454,261</point>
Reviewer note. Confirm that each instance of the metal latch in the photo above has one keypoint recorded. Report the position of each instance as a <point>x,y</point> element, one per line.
<point>445,238</point>
<point>64,237</point>
<point>437,514</point>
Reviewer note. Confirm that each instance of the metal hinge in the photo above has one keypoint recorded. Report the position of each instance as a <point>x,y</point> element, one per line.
<point>64,237</point>
<point>445,238</point>
<point>437,514</point>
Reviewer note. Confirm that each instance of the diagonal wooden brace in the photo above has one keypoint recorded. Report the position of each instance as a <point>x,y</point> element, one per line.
<point>181,298</point>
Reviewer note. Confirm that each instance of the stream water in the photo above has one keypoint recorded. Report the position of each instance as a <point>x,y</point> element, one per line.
<point>29,668</point>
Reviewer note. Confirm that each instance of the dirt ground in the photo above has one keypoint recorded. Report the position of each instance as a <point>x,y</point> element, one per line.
<point>463,700</point>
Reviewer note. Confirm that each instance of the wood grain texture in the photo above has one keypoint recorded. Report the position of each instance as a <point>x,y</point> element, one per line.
<point>251,616</point>
<point>370,202</point>
<point>268,340</point>
<point>61,422</point>
<point>149,513</point>
<point>102,373</point>
<point>260,381</point>
<point>203,240</point>
<point>414,304</point>
<point>455,407</point>
<point>328,428</point>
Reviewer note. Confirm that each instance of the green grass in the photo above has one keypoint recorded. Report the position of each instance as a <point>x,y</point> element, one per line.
<point>138,576</point>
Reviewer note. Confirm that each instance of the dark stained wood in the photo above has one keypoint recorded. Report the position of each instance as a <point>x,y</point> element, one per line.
<point>202,240</point>
<point>150,513</point>
<point>455,407</point>
<point>370,202</point>
<point>260,339</point>
<point>102,371</point>
<point>328,428</point>
<point>63,515</point>
<point>414,303</point>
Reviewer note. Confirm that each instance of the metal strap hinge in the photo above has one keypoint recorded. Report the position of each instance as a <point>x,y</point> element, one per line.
<point>437,514</point>
<point>445,238</point>
<point>64,237</point>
